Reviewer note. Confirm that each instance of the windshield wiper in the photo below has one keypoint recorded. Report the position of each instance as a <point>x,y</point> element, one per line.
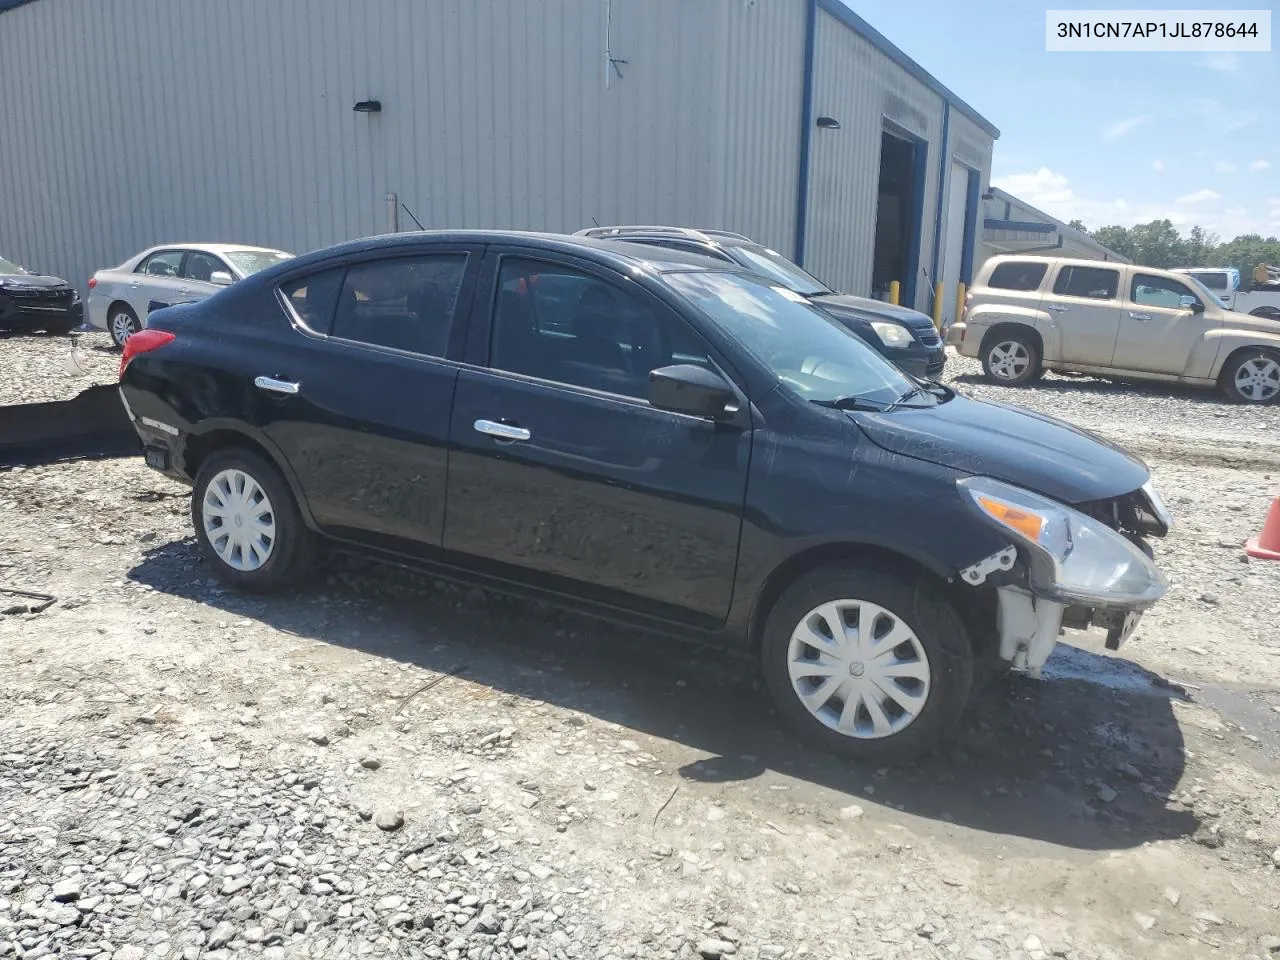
<point>852,401</point>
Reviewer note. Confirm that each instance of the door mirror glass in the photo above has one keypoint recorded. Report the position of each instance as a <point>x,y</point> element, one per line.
<point>686,388</point>
<point>1191,303</point>
<point>221,278</point>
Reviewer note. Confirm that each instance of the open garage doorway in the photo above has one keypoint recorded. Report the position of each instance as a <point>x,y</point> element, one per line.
<point>898,214</point>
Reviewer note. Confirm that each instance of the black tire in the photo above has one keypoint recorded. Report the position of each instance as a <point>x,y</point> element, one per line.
<point>936,626</point>
<point>293,546</point>
<point>120,316</point>
<point>1006,339</point>
<point>1260,359</point>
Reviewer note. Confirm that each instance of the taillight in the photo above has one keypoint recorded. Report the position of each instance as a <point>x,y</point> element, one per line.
<point>144,341</point>
<point>93,282</point>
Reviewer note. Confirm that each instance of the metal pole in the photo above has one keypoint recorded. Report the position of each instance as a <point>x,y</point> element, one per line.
<point>393,213</point>
<point>895,289</point>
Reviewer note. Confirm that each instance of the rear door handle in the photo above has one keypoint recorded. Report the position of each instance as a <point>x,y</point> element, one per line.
<point>1139,316</point>
<point>277,386</point>
<point>503,431</point>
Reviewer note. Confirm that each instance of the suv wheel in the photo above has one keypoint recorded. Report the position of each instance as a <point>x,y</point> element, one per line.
<point>122,323</point>
<point>869,664</point>
<point>1011,357</point>
<point>247,522</point>
<point>1252,378</point>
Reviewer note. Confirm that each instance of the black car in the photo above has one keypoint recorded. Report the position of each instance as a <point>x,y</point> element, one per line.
<point>29,301</point>
<point>907,337</point>
<point>651,437</point>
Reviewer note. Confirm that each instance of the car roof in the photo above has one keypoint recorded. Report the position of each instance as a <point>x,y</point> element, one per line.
<point>617,254</point>
<point>204,247</point>
<point>1067,261</point>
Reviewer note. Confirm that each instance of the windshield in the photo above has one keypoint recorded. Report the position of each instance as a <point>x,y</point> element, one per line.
<point>771,264</point>
<point>8,268</point>
<point>250,262</point>
<point>808,351</point>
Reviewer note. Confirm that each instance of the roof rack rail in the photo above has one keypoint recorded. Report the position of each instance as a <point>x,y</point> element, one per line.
<point>690,232</point>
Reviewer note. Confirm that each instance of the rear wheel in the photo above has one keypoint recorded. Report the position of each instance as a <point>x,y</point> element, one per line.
<point>122,323</point>
<point>1251,377</point>
<point>248,524</point>
<point>1011,357</point>
<point>872,665</point>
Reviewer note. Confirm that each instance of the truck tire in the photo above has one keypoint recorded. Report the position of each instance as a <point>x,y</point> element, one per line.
<point>840,680</point>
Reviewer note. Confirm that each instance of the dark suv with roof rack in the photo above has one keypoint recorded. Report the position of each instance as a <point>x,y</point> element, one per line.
<point>905,336</point>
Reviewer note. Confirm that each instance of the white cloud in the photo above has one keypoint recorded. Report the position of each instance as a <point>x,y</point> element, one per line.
<point>1125,126</point>
<point>1052,193</point>
<point>1259,165</point>
<point>1222,62</point>
<point>1200,196</point>
<point>1157,166</point>
<point>1222,118</point>
<point>1236,211</point>
<point>1225,166</point>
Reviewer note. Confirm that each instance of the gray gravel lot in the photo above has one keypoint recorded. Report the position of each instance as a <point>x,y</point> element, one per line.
<point>385,764</point>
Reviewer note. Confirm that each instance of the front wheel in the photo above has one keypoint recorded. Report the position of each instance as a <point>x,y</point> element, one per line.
<point>1011,358</point>
<point>872,665</point>
<point>248,524</point>
<point>1252,377</point>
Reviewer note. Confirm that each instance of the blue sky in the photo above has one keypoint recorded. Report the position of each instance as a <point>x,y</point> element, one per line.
<point>1107,137</point>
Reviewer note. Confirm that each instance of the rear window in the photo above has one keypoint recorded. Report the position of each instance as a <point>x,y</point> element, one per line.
<point>1093,283</point>
<point>1018,276</point>
<point>1214,281</point>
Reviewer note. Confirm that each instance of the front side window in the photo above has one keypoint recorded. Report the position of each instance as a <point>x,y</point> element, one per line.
<point>1150,291</point>
<point>405,303</point>
<point>166,263</point>
<point>202,266</point>
<point>808,351</point>
<point>314,298</point>
<point>1092,283</point>
<point>557,323</point>
<point>1017,275</point>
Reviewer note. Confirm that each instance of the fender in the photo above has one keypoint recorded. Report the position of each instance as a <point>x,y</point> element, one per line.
<point>1226,340</point>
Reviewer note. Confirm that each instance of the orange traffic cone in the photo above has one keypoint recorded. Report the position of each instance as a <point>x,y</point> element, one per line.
<point>1266,545</point>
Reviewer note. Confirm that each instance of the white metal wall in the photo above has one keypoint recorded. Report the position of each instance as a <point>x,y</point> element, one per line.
<point>150,121</point>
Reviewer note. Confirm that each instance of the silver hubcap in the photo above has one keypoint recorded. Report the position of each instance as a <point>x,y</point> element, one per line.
<point>238,520</point>
<point>1009,360</point>
<point>858,668</point>
<point>122,327</point>
<point>1258,379</point>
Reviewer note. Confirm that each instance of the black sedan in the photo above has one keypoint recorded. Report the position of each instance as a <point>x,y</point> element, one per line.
<point>652,438</point>
<point>29,301</point>
<point>907,337</point>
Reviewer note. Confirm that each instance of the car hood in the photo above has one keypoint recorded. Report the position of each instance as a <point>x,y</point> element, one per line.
<point>30,280</point>
<point>844,305</point>
<point>1236,320</point>
<point>1010,444</point>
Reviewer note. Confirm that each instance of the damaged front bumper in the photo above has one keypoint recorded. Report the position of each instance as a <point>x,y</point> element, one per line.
<point>1029,626</point>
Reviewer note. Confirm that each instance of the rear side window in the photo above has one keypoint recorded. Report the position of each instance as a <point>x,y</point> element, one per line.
<point>163,264</point>
<point>405,303</point>
<point>1093,283</point>
<point>315,297</point>
<point>1018,276</point>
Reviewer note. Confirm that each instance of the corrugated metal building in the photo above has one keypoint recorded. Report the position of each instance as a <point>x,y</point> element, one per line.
<point>1011,225</point>
<point>793,121</point>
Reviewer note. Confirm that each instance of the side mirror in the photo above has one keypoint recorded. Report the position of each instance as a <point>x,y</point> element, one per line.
<point>688,388</point>
<point>221,278</point>
<point>1191,303</point>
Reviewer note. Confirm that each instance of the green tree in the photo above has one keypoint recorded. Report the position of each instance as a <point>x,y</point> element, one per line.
<point>1116,238</point>
<point>1199,246</point>
<point>1078,225</point>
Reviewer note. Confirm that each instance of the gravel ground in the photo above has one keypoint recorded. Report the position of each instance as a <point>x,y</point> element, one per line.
<point>385,764</point>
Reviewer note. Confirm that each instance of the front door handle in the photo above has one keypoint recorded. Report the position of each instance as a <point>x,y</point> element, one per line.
<point>503,431</point>
<point>1058,308</point>
<point>277,386</point>
<point>1139,316</point>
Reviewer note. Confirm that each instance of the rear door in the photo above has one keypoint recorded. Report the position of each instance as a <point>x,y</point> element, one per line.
<point>359,402</point>
<point>1157,333</point>
<point>560,473</point>
<point>1084,307</point>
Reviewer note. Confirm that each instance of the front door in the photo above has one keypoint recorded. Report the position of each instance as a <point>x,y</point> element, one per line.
<point>157,282</point>
<point>560,472</point>
<point>1158,333</point>
<point>1085,307</point>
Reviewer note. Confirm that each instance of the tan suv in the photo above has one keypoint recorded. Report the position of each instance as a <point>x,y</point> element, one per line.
<point>1026,315</point>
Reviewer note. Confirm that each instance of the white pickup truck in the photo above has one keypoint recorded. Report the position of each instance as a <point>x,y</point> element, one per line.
<point>1224,282</point>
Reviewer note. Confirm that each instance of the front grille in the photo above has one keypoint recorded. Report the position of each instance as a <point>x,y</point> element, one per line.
<point>930,340</point>
<point>38,294</point>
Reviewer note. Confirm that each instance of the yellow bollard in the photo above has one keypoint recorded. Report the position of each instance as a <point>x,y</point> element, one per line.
<point>937,307</point>
<point>960,292</point>
<point>894,287</point>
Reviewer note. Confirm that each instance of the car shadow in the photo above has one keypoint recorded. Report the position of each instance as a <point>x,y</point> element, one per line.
<point>1086,758</point>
